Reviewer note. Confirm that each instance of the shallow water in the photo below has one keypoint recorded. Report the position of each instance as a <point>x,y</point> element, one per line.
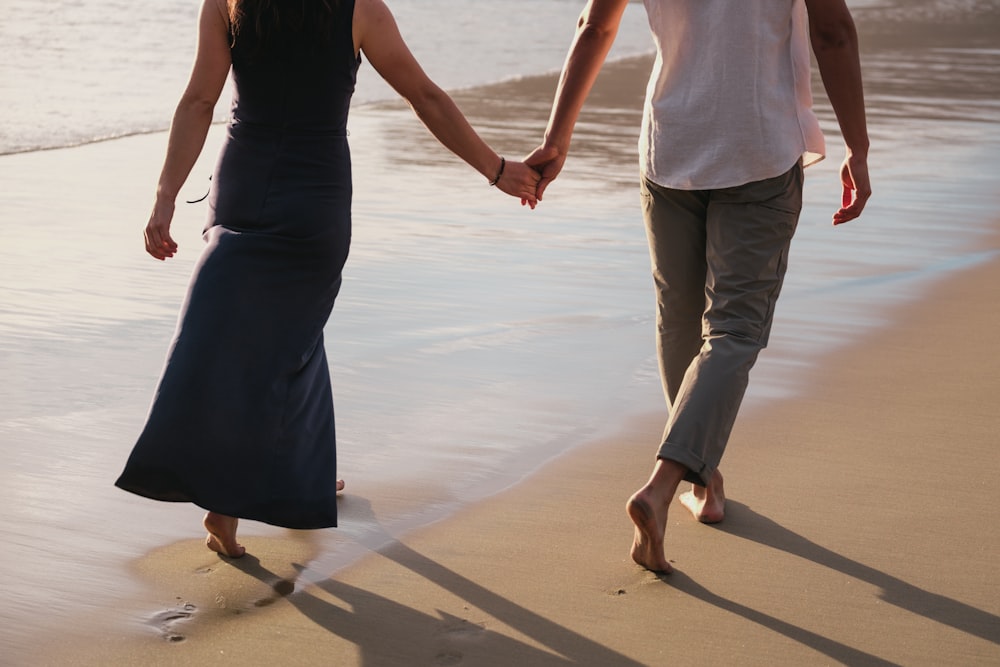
<point>473,340</point>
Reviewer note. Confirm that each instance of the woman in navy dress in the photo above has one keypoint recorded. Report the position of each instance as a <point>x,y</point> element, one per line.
<point>242,420</point>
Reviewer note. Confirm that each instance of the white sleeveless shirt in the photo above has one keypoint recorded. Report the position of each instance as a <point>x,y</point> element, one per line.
<point>729,99</point>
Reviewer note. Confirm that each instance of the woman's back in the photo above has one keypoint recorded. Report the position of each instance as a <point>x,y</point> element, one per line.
<point>293,80</point>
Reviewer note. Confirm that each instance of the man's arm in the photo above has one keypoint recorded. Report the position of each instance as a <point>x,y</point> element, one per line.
<point>835,43</point>
<point>595,33</point>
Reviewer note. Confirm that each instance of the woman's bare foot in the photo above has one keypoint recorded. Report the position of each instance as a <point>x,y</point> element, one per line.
<point>706,503</point>
<point>340,485</point>
<point>222,535</point>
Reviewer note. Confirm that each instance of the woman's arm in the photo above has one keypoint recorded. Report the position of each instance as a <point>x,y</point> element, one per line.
<point>190,124</point>
<point>377,36</point>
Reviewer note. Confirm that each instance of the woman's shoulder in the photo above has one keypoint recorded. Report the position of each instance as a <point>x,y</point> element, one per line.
<point>371,11</point>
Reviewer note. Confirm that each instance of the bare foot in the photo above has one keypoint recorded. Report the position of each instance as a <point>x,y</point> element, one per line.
<point>707,504</point>
<point>647,545</point>
<point>648,510</point>
<point>340,485</point>
<point>222,535</point>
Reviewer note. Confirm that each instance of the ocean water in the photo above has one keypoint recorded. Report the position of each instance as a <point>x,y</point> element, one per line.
<point>76,72</point>
<point>473,339</point>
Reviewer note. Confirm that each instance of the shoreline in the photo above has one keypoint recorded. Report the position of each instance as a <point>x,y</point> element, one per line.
<point>839,544</point>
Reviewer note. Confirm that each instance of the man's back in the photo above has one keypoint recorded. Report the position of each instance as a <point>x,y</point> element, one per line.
<point>729,98</point>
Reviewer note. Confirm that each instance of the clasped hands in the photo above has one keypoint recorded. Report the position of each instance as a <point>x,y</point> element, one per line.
<point>527,180</point>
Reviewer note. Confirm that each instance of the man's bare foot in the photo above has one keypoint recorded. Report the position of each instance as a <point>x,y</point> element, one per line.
<point>340,485</point>
<point>706,503</point>
<point>222,535</point>
<point>650,524</point>
<point>648,510</point>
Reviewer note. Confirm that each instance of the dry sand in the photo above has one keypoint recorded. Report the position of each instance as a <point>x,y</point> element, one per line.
<point>861,529</point>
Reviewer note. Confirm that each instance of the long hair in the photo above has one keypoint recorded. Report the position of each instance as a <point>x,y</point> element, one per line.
<point>278,24</point>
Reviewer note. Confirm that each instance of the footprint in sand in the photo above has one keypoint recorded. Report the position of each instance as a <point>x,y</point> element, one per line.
<point>165,621</point>
<point>457,631</point>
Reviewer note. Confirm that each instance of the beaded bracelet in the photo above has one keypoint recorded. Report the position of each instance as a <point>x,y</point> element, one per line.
<point>503,163</point>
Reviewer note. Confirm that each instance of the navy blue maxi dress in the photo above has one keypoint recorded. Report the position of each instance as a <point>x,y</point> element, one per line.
<point>242,420</point>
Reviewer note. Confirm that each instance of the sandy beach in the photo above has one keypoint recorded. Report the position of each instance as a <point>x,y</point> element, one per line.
<point>861,530</point>
<point>863,476</point>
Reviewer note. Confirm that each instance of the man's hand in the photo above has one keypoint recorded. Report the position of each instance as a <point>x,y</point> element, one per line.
<point>857,188</point>
<point>547,161</point>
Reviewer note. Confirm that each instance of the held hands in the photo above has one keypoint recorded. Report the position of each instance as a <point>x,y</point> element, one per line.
<point>857,188</point>
<point>548,160</point>
<point>534,174</point>
<point>519,180</point>
<point>159,243</point>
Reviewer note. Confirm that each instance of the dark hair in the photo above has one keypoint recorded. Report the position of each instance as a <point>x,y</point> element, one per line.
<point>278,24</point>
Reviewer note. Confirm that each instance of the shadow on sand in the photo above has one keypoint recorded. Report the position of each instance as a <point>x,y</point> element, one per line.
<point>408,636</point>
<point>743,522</point>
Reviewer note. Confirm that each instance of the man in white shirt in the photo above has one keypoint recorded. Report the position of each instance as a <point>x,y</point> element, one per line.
<point>727,130</point>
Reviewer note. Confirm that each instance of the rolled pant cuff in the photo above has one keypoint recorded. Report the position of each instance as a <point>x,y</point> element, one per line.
<point>698,472</point>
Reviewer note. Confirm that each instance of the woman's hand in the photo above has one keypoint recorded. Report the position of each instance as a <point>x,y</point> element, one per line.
<point>159,243</point>
<point>521,181</point>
